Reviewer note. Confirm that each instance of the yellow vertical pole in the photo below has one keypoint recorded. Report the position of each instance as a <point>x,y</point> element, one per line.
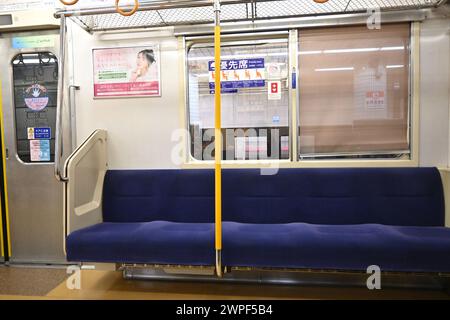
<point>217,141</point>
<point>2,250</point>
<point>5,189</point>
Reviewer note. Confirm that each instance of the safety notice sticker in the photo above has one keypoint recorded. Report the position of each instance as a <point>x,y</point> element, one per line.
<point>274,90</point>
<point>40,150</point>
<point>39,133</point>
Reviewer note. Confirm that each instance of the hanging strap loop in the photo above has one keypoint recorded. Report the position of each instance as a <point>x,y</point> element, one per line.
<point>69,3</point>
<point>127,13</point>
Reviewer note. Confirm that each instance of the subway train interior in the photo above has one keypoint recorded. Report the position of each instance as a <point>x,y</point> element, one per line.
<point>225,149</point>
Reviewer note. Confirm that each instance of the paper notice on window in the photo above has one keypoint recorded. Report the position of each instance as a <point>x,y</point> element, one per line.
<point>370,94</point>
<point>375,99</point>
<point>274,90</point>
<point>273,71</point>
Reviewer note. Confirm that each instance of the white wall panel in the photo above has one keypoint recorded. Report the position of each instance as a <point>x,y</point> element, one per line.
<point>139,129</point>
<point>434,93</point>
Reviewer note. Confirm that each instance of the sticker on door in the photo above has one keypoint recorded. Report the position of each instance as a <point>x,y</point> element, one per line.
<point>40,150</point>
<point>39,133</point>
<point>36,97</point>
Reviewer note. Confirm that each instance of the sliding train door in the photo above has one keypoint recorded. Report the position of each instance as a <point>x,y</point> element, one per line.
<point>29,70</point>
<point>4,250</point>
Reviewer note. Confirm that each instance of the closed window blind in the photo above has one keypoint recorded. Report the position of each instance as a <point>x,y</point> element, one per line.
<point>354,91</point>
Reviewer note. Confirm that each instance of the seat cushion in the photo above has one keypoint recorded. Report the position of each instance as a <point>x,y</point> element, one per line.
<point>345,247</point>
<point>165,195</point>
<point>157,242</point>
<point>341,196</point>
<point>338,196</point>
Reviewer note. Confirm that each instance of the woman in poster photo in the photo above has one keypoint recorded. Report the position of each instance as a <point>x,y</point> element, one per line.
<point>145,60</point>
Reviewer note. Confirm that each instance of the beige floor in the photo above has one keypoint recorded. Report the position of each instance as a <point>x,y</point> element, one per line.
<point>35,283</point>
<point>29,281</point>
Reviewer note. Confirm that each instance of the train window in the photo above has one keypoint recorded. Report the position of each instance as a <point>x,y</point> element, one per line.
<point>354,92</point>
<point>35,82</point>
<point>255,100</point>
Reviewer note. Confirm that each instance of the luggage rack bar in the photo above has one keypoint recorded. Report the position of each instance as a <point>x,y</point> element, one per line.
<point>167,13</point>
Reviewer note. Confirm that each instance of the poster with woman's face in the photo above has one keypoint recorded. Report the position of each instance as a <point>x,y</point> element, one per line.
<point>127,72</point>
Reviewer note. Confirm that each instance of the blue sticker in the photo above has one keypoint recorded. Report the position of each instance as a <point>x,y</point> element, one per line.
<point>236,74</point>
<point>41,41</point>
<point>294,80</point>
<point>212,91</point>
<point>45,150</point>
<point>42,133</point>
<point>240,64</point>
<point>276,119</point>
<point>39,133</point>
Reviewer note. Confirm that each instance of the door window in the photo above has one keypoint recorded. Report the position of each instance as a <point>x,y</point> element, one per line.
<point>35,82</point>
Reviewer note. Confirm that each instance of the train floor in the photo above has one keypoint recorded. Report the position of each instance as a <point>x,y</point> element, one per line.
<point>25,282</point>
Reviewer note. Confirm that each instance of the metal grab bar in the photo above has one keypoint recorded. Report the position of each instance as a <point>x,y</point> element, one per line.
<point>60,102</point>
<point>72,115</point>
<point>145,6</point>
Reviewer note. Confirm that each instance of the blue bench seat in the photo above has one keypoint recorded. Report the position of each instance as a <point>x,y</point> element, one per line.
<point>156,242</point>
<point>331,247</point>
<point>297,245</point>
<point>343,219</point>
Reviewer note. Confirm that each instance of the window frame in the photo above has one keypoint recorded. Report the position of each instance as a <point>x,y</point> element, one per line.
<point>15,135</point>
<point>294,160</point>
<point>233,39</point>
<point>382,155</point>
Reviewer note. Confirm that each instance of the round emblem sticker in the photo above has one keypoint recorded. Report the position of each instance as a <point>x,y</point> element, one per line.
<point>36,97</point>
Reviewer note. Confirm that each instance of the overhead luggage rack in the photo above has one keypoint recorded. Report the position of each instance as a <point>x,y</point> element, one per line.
<point>152,14</point>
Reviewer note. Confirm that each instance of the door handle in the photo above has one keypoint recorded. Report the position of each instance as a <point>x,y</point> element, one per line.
<point>60,102</point>
<point>72,108</point>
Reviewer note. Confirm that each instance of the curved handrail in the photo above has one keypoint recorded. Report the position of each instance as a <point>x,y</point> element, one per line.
<point>92,153</point>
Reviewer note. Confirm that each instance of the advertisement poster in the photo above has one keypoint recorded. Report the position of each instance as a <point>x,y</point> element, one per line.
<point>127,72</point>
<point>234,74</point>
